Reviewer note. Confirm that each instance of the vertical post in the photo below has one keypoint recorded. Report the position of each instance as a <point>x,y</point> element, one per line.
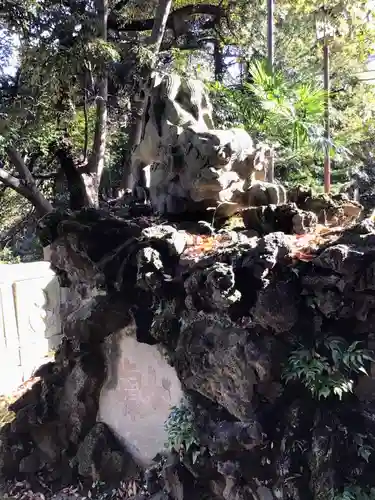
<point>270,33</point>
<point>327,157</point>
<point>271,56</point>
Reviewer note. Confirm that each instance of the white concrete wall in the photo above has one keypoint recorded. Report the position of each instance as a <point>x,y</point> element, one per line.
<point>30,325</point>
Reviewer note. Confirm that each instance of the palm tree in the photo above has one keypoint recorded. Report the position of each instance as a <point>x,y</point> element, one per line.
<point>290,114</point>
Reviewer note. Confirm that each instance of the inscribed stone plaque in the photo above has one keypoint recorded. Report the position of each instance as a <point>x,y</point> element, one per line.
<point>135,401</point>
<point>38,314</point>
<point>29,319</point>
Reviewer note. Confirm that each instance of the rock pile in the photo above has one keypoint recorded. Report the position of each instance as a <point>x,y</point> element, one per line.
<point>270,335</point>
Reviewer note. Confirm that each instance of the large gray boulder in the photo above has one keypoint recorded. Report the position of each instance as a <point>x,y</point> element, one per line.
<point>188,164</point>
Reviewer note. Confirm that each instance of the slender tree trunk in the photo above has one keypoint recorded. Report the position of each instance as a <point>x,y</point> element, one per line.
<point>271,57</point>
<point>154,42</point>
<point>218,61</point>
<point>86,143</point>
<point>138,108</point>
<point>160,23</point>
<point>94,172</point>
<point>134,137</point>
<point>327,132</point>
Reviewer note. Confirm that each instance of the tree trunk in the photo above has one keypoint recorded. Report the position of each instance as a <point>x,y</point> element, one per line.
<point>81,187</point>
<point>138,108</point>
<point>218,60</point>
<point>91,177</point>
<point>78,195</point>
<point>86,143</point>
<point>160,23</point>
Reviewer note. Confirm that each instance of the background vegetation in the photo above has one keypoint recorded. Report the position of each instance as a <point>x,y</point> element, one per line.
<point>70,68</point>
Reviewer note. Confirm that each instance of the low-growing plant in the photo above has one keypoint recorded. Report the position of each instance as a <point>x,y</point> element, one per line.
<point>180,427</point>
<point>330,371</point>
<point>8,257</point>
<point>352,492</point>
<point>363,445</point>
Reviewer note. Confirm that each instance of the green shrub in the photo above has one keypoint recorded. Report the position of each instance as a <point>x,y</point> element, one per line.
<point>354,493</point>
<point>288,115</point>
<point>180,427</point>
<point>8,257</point>
<point>330,371</point>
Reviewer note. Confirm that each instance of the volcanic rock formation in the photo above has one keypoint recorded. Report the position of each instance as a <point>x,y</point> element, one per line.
<point>269,337</point>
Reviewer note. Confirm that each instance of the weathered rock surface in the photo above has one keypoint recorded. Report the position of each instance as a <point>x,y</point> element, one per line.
<point>232,313</point>
<point>335,209</point>
<point>286,218</point>
<point>183,163</point>
<point>362,186</point>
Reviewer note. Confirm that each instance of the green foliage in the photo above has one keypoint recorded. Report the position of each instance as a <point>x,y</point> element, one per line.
<point>364,447</point>
<point>77,129</point>
<point>100,53</point>
<point>354,493</point>
<point>12,208</point>
<point>7,256</point>
<point>298,55</point>
<point>181,428</point>
<point>61,47</point>
<point>180,60</point>
<point>290,114</point>
<point>328,369</point>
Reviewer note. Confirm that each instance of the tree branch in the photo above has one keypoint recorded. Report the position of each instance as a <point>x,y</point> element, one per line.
<point>160,23</point>
<point>184,12</point>
<point>155,40</point>
<point>46,176</point>
<point>50,175</point>
<point>18,163</point>
<point>12,182</point>
<point>120,5</point>
<point>25,186</point>
<point>97,158</point>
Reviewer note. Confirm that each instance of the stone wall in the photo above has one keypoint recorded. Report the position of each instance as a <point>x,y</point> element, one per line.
<point>30,325</point>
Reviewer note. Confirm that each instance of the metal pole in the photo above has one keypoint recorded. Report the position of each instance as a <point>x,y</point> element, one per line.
<point>327,157</point>
<point>270,33</point>
<point>271,57</point>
